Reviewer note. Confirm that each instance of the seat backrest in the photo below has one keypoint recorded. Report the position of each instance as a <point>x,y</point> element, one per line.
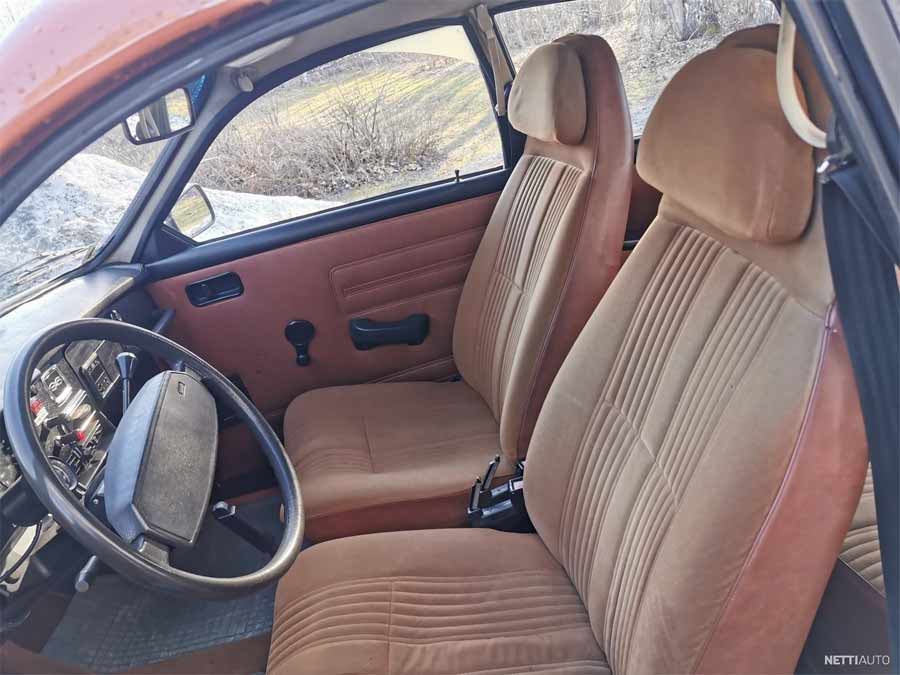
<point>700,454</point>
<point>554,242</point>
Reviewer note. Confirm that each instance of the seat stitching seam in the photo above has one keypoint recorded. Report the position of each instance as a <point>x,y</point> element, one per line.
<point>463,580</point>
<point>564,288</point>
<point>738,385</point>
<point>664,367</point>
<point>677,230</point>
<point>824,341</point>
<point>390,626</point>
<point>365,424</point>
<point>419,500</point>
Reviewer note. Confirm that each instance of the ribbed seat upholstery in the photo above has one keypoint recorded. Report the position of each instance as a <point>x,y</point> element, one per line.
<point>432,601</point>
<point>861,550</point>
<point>694,467</point>
<point>552,247</point>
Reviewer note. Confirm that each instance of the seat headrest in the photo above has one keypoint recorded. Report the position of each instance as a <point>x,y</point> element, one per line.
<point>548,99</point>
<point>718,144</point>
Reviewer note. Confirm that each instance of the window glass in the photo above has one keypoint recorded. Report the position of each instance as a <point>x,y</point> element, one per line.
<point>72,213</point>
<point>652,39</point>
<point>402,114</point>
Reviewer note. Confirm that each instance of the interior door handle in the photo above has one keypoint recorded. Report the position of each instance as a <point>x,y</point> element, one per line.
<point>215,289</point>
<point>367,333</point>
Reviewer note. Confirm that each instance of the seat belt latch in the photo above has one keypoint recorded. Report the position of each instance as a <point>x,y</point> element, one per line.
<point>474,496</point>
<point>489,474</point>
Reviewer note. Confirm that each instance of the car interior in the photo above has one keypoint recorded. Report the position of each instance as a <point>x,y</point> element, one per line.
<point>584,406</point>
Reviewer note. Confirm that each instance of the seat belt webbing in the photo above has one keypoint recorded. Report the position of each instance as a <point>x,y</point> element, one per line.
<point>501,73</point>
<point>863,266</point>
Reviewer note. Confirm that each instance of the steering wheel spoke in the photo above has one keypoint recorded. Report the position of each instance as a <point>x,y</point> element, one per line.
<point>155,551</point>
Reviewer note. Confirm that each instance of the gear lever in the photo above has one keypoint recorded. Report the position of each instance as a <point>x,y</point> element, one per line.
<point>125,362</point>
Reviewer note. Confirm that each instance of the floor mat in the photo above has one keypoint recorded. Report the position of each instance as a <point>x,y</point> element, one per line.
<point>117,625</point>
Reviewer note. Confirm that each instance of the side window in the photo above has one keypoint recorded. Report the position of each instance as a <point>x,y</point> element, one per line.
<point>652,39</point>
<point>402,114</point>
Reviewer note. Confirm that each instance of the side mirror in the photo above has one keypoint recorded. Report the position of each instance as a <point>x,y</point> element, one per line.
<point>164,118</point>
<point>192,214</point>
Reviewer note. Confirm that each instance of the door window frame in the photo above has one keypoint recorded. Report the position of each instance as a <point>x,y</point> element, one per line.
<point>211,130</point>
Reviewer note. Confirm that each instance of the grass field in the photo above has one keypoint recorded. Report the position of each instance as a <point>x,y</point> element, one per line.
<point>384,128</point>
<point>431,114</point>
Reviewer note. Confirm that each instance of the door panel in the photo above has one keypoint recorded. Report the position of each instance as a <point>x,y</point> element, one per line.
<point>386,270</point>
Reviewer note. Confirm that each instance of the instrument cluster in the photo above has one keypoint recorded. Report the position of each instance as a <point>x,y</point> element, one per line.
<point>72,407</point>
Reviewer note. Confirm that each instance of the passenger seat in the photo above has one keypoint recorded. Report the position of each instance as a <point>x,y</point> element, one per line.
<point>852,615</point>
<point>399,456</point>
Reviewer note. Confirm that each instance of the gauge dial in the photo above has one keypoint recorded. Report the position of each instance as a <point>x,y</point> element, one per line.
<point>56,385</point>
<point>64,472</point>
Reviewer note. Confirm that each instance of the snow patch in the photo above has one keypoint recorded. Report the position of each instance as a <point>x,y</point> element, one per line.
<point>81,204</point>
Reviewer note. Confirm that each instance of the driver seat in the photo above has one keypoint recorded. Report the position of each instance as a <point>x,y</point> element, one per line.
<point>696,463</point>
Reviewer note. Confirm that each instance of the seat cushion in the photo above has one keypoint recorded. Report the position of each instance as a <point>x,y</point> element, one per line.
<point>439,601</point>
<point>392,456</point>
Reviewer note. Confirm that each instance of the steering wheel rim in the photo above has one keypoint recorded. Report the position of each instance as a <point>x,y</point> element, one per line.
<point>88,530</point>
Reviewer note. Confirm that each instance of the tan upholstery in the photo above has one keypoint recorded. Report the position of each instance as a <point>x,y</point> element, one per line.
<point>861,550</point>
<point>547,100</point>
<point>549,252</point>
<point>437,601</point>
<point>723,428</point>
<point>762,189</point>
<point>388,451</point>
<point>693,470</point>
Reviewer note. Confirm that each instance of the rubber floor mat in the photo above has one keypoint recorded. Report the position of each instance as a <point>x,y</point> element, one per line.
<point>117,625</point>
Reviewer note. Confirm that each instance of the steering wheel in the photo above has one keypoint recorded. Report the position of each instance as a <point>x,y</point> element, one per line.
<point>160,462</point>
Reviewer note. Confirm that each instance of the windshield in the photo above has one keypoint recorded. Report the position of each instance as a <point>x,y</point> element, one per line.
<point>72,213</point>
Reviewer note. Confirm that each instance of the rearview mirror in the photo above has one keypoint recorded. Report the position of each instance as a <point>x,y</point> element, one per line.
<point>164,118</point>
<point>192,214</point>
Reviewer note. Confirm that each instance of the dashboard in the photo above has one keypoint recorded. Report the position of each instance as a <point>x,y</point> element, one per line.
<point>76,403</point>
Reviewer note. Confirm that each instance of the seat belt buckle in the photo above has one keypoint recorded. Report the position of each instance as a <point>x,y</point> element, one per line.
<point>481,493</point>
<point>502,507</point>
